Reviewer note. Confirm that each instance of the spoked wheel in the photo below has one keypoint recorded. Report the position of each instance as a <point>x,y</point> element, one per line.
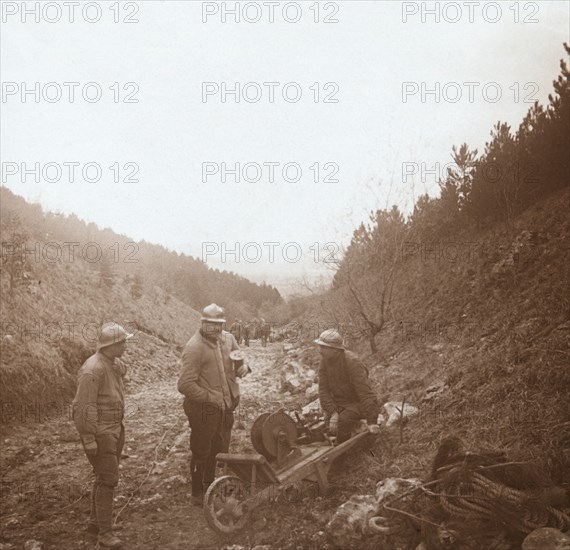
<point>225,505</point>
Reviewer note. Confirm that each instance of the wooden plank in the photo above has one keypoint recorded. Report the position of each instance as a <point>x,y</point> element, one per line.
<point>321,471</point>
<point>263,472</point>
<point>243,471</point>
<point>301,469</point>
<point>335,452</point>
<point>323,453</point>
<point>304,468</point>
<point>252,458</point>
<point>304,451</point>
<point>266,474</point>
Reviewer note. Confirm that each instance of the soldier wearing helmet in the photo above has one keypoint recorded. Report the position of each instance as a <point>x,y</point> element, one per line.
<point>236,330</point>
<point>344,389</point>
<point>264,331</point>
<point>98,410</point>
<point>208,382</point>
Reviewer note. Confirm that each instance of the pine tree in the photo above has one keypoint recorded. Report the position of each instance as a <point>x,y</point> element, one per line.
<point>14,259</point>
<point>137,287</point>
<point>106,277</point>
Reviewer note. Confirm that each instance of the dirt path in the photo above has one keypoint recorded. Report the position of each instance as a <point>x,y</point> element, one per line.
<point>46,478</point>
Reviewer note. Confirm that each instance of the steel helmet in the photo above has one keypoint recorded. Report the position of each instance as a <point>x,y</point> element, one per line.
<point>331,339</point>
<point>112,333</point>
<point>213,314</point>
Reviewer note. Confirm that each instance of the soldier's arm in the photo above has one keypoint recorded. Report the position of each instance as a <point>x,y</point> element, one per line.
<point>234,343</point>
<point>122,369</point>
<point>366,396</point>
<point>325,396</point>
<point>85,408</point>
<point>188,381</point>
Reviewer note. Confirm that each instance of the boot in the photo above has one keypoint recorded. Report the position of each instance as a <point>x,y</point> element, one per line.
<point>109,540</point>
<point>92,525</point>
<point>209,474</point>
<point>104,507</point>
<point>197,471</point>
<point>197,498</point>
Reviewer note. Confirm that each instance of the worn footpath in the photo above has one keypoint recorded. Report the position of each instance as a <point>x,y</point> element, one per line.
<point>46,478</point>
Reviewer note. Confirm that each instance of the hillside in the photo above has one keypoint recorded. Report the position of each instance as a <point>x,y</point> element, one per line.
<point>463,307</point>
<point>480,344</point>
<point>460,309</point>
<point>62,278</point>
<point>50,327</point>
<point>184,277</point>
<point>491,333</point>
<point>494,372</point>
<point>54,300</point>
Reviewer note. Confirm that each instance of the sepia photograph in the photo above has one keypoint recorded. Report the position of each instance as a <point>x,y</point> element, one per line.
<point>284,275</point>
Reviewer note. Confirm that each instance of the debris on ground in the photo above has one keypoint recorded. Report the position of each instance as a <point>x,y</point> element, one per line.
<point>298,370</point>
<point>546,538</point>
<point>473,500</point>
<point>349,525</point>
<point>398,411</point>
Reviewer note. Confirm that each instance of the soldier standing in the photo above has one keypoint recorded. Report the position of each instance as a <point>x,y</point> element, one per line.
<point>236,330</point>
<point>98,410</point>
<point>208,382</point>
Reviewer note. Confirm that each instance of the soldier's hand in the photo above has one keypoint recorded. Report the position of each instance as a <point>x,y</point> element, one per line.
<point>242,371</point>
<point>333,423</point>
<point>90,446</point>
<point>373,428</point>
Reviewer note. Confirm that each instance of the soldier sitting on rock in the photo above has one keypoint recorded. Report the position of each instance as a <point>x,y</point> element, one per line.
<point>344,389</point>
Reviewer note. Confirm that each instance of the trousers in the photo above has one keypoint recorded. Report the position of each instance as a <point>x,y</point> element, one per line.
<point>106,469</point>
<point>210,434</point>
<point>347,421</point>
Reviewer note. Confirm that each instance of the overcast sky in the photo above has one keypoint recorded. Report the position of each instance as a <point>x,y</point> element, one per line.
<point>362,61</point>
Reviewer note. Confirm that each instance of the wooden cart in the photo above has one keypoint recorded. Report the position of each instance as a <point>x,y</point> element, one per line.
<point>288,453</point>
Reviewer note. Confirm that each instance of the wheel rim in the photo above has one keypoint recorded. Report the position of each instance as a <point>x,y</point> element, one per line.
<point>225,505</point>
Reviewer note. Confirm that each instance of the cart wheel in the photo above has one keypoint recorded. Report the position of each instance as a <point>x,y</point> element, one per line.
<point>225,505</point>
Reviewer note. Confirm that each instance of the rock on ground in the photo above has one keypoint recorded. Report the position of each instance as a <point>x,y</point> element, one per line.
<point>393,487</point>
<point>357,519</point>
<point>394,411</point>
<point>349,525</point>
<point>546,538</point>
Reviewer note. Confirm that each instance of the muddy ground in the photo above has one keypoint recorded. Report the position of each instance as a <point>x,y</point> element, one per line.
<point>46,478</point>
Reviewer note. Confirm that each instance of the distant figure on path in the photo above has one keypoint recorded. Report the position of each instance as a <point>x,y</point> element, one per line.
<point>236,330</point>
<point>265,330</point>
